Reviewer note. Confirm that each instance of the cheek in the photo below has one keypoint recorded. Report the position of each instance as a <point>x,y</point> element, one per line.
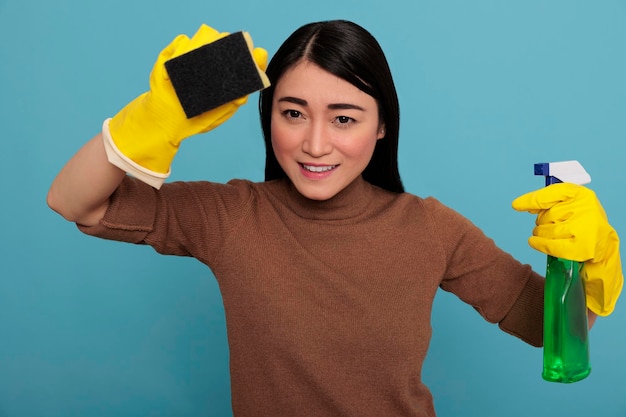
<point>276,138</point>
<point>360,148</point>
<point>282,141</point>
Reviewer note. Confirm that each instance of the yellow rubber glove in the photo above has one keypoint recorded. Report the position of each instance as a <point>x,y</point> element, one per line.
<point>144,136</point>
<point>571,224</point>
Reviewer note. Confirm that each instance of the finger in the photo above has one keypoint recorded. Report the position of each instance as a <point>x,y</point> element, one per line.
<point>559,213</point>
<point>602,296</point>
<point>260,57</point>
<point>217,116</point>
<point>603,286</point>
<point>241,101</point>
<point>206,31</point>
<point>554,231</point>
<point>159,72</point>
<point>170,50</point>
<point>545,198</point>
<point>559,248</point>
<point>205,35</point>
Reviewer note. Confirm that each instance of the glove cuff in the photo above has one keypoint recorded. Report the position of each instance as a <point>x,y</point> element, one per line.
<point>117,158</point>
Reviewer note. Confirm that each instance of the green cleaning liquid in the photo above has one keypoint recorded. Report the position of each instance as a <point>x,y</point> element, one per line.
<point>565,330</point>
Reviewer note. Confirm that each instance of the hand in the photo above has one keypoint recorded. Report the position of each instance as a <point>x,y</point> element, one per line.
<point>149,130</point>
<point>571,224</point>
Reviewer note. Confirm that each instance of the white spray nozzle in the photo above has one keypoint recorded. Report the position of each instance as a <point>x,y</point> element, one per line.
<point>565,171</point>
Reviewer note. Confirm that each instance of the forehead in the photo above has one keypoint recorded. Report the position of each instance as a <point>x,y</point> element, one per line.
<point>310,82</point>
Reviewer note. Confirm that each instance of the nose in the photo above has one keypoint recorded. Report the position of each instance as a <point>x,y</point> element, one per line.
<point>317,141</point>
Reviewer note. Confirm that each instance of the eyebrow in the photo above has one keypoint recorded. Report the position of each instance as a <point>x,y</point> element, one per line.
<point>333,106</point>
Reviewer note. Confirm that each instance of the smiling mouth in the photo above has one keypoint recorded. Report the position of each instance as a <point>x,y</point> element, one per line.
<point>324,168</point>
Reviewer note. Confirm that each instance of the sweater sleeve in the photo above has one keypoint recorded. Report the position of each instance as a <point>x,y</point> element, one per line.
<point>499,287</point>
<point>181,218</point>
<point>525,318</point>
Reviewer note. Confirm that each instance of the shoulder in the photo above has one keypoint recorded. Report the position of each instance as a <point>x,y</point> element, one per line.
<point>427,205</point>
<point>236,194</point>
<point>430,212</point>
<point>182,191</point>
<point>257,190</point>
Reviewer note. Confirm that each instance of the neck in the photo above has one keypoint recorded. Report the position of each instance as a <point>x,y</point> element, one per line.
<point>348,203</point>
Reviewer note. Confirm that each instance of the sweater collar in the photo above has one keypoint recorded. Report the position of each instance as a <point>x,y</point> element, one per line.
<point>347,204</point>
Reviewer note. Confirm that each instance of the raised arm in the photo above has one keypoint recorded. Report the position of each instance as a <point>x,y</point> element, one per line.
<point>143,138</point>
<point>80,192</point>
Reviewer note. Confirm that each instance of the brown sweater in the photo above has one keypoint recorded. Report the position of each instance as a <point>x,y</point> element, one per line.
<point>328,304</point>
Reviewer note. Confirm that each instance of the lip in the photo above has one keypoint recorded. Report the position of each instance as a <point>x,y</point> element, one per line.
<point>323,170</point>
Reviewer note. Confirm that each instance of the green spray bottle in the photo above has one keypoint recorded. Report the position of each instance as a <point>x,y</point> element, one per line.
<point>565,326</point>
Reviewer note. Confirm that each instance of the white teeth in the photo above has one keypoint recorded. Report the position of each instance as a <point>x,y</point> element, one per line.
<point>318,169</point>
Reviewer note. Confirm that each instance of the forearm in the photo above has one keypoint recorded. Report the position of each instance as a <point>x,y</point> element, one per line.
<point>80,192</point>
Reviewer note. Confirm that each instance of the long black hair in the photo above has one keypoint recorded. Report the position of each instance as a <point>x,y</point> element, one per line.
<point>351,53</point>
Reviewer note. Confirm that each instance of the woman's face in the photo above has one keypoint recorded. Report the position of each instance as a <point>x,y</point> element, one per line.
<point>324,130</point>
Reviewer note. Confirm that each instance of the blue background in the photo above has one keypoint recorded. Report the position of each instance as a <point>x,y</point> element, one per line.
<point>487,88</point>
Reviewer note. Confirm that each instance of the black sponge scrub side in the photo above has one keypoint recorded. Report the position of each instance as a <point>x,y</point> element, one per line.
<point>215,74</point>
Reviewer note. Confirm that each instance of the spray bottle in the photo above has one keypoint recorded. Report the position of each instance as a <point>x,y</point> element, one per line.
<point>565,327</point>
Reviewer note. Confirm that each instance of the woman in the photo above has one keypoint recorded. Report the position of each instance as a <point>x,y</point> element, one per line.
<point>328,270</point>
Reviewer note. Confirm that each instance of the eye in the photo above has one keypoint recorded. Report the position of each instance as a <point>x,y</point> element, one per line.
<point>292,114</point>
<point>343,121</point>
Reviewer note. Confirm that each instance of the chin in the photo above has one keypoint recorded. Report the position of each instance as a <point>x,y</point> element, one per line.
<point>317,195</point>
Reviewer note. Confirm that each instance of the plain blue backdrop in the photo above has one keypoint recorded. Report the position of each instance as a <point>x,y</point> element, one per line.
<point>94,328</point>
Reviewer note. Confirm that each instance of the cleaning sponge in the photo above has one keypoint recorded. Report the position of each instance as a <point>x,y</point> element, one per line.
<point>215,74</point>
